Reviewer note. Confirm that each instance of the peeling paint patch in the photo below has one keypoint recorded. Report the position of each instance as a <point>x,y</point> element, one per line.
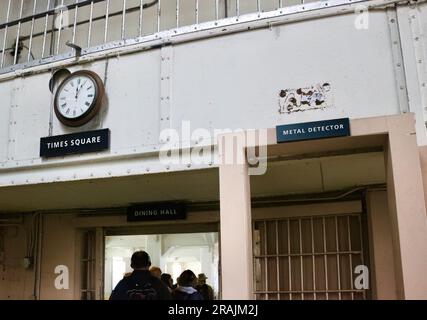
<point>318,96</point>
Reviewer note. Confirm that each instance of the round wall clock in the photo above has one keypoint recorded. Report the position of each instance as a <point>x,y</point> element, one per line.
<point>78,98</point>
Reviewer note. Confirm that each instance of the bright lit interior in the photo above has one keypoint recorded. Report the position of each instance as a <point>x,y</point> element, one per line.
<point>173,253</point>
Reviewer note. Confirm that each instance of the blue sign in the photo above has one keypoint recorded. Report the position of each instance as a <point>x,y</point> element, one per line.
<point>313,130</point>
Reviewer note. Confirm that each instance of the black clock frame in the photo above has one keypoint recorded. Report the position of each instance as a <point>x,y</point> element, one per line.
<point>93,108</point>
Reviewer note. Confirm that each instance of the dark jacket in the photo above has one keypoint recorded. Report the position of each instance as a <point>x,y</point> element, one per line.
<point>140,285</point>
<point>206,291</point>
<point>180,295</point>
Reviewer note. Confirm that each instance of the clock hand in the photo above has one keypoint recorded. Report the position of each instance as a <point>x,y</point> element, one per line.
<point>77,89</point>
<point>80,89</point>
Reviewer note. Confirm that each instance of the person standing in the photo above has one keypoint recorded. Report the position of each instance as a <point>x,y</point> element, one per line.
<point>186,290</point>
<point>167,280</point>
<point>140,284</point>
<point>156,272</point>
<point>205,290</point>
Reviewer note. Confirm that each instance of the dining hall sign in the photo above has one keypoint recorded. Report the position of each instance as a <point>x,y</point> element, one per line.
<point>157,211</point>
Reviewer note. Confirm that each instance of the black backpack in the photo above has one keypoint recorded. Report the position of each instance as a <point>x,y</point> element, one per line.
<point>140,291</point>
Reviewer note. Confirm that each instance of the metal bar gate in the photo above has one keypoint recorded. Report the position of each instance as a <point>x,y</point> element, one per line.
<point>311,258</point>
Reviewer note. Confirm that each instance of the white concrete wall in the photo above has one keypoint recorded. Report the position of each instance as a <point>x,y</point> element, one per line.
<point>231,81</point>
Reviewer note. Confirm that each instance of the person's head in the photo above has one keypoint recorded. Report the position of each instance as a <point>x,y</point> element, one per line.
<point>187,279</point>
<point>140,261</point>
<point>156,272</point>
<point>167,279</point>
<point>201,279</point>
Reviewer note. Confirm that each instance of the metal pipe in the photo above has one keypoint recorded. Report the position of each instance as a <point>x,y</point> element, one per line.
<point>124,20</point>
<point>89,37</point>
<point>325,258</point>
<point>76,14</point>
<point>313,261</point>
<point>350,256</point>
<point>5,35</point>
<point>265,259</point>
<point>61,16</point>
<point>306,291</point>
<point>141,11</point>
<point>45,30</point>
<point>107,11</point>
<point>361,247</point>
<point>197,11</point>
<point>301,258</point>
<point>338,257</point>
<point>277,259</point>
<point>88,266</point>
<point>177,13</point>
<point>159,12</point>
<point>308,254</point>
<point>30,45</point>
<point>15,58</point>
<point>38,262</point>
<point>289,259</point>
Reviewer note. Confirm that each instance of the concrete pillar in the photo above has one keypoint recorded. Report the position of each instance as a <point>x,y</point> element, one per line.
<point>381,247</point>
<point>423,159</point>
<point>235,219</point>
<point>407,208</point>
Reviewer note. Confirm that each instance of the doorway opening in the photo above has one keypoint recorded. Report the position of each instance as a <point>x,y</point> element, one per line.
<point>172,253</point>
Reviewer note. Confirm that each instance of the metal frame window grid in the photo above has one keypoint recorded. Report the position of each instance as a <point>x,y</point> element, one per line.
<point>58,40</point>
<point>297,289</point>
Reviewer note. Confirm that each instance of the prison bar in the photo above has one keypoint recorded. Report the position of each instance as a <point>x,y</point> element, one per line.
<point>333,282</point>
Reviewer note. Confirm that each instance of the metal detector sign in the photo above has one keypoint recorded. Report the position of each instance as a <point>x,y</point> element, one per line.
<point>157,211</point>
<point>313,130</point>
<point>76,143</point>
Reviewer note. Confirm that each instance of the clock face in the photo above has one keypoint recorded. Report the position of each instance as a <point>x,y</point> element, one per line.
<point>78,98</point>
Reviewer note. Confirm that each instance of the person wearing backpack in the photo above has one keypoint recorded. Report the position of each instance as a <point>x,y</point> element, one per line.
<point>187,282</point>
<point>140,284</point>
